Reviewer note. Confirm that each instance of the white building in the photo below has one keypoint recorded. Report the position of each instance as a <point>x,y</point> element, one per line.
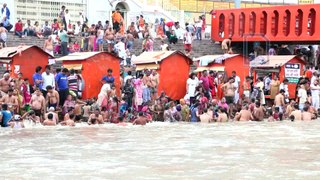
<point>95,10</point>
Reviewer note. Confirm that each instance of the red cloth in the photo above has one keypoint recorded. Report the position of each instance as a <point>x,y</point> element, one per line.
<point>18,27</point>
<point>169,24</point>
<point>55,26</point>
<point>308,74</point>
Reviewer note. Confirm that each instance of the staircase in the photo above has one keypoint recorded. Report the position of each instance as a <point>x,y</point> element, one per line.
<point>199,48</point>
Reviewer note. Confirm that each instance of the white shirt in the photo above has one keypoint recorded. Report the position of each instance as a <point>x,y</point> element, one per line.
<point>77,29</point>
<point>126,78</point>
<point>81,19</point>
<point>315,90</point>
<point>188,38</point>
<point>48,80</point>
<point>236,82</point>
<point>120,46</point>
<point>199,24</point>
<point>302,94</point>
<point>164,47</point>
<point>285,88</point>
<point>192,84</point>
<point>67,18</point>
<point>313,78</point>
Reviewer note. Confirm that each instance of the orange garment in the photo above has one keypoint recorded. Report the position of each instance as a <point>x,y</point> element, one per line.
<point>220,91</point>
<point>308,74</point>
<point>121,30</point>
<point>141,22</point>
<point>116,17</point>
<point>160,30</point>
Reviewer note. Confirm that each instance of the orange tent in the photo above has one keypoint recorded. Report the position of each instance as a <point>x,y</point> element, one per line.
<point>225,63</point>
<point>94,66</point>
<point>173,68</point>
<point>23,59</point>
<point>286,66</point>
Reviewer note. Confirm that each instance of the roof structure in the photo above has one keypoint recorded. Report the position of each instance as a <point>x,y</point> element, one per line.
<point>154,57</point>
<point>80,56</point>
<point>218,58</point>
<point>10,52</point>
<point>271,61</point>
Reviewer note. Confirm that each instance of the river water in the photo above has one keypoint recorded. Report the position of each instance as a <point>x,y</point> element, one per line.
<point>249,150</point>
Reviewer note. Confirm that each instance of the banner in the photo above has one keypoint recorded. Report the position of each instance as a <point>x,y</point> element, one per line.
<point>292,72</point>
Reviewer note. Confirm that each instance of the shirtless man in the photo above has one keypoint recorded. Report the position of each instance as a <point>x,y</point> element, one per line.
<point>279,100</point>
<point>38,103</point>
<point>222,116</point>
<point>154,85</point>
<point>258,112</point>
<point>55,118</point>
<point>49,120</point>
<point>68,122</point>
<point>11,100</point>
<point>95,118</point>
<point>5,83</point>
<point>296,114</point>
<point>244,114</point>
<point>246,87</point>
<point>140,120</point>
<point>205,117</point>
<point>109,36</point>
<point>48,46</point>
<point>290,108</point>
<point>31,116</point>
<point>229,92</point>
<point>52,99</point>
<point>306,115</point>
<point>226,45</point>
<point>91,42</point>
<point>147,82</point>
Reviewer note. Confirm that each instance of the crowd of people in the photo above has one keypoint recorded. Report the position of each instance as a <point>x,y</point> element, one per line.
<point>64,37</point>
<point>55,97</point>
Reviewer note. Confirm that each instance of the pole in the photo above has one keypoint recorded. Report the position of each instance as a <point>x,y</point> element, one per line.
<point>237,3</point>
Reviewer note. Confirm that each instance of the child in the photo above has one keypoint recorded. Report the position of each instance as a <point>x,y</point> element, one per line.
<point>276,115</point>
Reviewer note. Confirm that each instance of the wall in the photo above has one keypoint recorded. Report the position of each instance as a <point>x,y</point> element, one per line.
<point>94,69</point>
<point>28,61</point>
<point>174,72</point>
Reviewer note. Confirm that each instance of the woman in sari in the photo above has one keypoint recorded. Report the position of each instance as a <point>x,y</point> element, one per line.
<point>138,89</point>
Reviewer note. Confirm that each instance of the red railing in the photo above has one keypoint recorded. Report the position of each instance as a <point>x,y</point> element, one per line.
<point>277,23</point>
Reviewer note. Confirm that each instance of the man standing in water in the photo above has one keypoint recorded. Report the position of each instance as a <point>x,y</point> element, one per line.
<point>236,85</point>
<point>141,120</point>
<point>48,80</point>
<point>229,92</point>
<point>62,85</point>
<point>10,100</point>
<point>279,101</point>
<point>38,103</point>
<point>5,83</point>
<point>154,84</point>
<point>52,97</point>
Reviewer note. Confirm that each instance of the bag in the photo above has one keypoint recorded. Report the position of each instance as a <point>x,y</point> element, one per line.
<point>86,20</point>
